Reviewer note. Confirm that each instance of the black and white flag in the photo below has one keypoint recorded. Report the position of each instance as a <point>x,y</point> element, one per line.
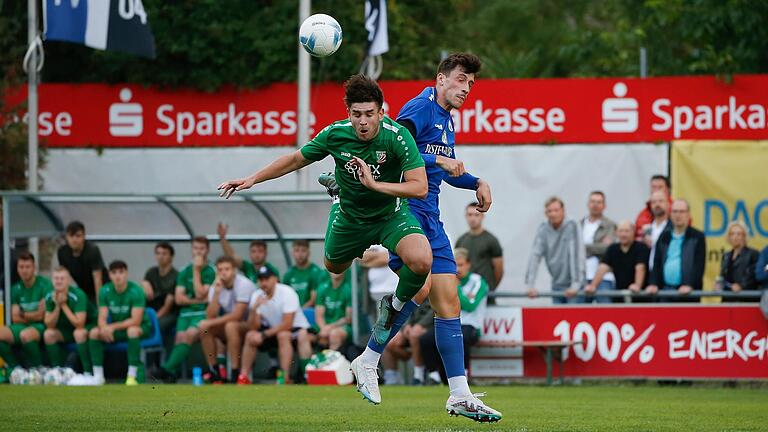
<point>376,25</point>
<point>113,25</point>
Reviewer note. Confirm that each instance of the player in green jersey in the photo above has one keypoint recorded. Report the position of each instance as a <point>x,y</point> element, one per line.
<point>305,277</point>
<point>121,318</point>
<point>27,312</point>
<point>69,316</point>
<point>333,312</point>
<point>192,297</point>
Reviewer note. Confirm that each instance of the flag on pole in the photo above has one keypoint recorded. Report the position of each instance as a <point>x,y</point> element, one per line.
<point>112,25</point>
<point>376,25</point>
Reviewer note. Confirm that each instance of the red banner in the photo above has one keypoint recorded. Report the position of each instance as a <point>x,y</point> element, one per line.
<point>718,341</point>
<point>497,112</point>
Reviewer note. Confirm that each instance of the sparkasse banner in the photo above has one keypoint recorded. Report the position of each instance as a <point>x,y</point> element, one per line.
<point>506,111</point>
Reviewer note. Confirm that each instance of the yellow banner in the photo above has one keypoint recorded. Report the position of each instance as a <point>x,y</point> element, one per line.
<point>723,181</point>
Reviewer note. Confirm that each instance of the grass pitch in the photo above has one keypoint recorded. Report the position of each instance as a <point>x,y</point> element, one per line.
<point>305,409</point>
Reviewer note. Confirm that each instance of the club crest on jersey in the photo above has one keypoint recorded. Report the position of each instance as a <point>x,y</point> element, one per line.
<point>444,138</point>
<point>381,156</point>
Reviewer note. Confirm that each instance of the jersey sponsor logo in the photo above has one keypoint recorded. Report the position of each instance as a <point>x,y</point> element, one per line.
<point>381,156</point>
<point>352,169</point>
<point>439,149</point>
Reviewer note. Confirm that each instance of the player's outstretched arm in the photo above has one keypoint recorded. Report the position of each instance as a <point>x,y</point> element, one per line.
<point>279,167</point>
<point>414,184</point>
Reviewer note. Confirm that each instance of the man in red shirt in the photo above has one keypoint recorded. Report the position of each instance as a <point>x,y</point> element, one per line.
<point>645,217</point>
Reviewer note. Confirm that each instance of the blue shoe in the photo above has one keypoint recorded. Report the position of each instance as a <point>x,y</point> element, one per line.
<point>328,179</point>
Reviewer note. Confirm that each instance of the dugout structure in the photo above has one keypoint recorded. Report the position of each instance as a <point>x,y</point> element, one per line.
<point>148,218</point>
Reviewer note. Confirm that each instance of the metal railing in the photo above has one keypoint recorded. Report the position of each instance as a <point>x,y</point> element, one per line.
<point>628,295</point>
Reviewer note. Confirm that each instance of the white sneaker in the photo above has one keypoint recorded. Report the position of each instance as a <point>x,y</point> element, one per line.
<point>85,380</point>
<point>472,407</point>
<point>367,377</point>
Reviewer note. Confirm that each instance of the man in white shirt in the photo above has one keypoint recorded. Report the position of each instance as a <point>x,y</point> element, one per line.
<point>276,319</point>
<point>226,313</point>
<point>652,232</point>
<point>597,233</point>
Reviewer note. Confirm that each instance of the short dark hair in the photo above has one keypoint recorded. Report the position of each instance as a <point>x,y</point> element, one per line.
<point>360,88</point>
<point>469,63</point>
<point>74,227</point>
<point>662,177</point>
<point>26,256</point>
<point>597,192</point>
<point>203,240</point>
<point>260,243</point>
<point>118,265</point>
<point>472,204</point>
<point>301,243</point>
<point>167,246</point>
<point>226,259</point>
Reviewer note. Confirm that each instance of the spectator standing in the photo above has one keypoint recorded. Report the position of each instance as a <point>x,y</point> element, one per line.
<point>660,223</point>
<point>160,285</point>
<point>257,252</point>
<point>737,269</point>
<point>226,317</point>
<point>69,316</point>
<point>659,183</point>
<point>597,234</point>
<point>627,260</point>
<point>305,277</point>
<point>680,256</point>
<point>121,319</point>
<point>559,242</point>
<point>82,258</point>
<point>761,269</point>
<point>484,248</point>
<point>191,296</point>
<point>473,296</point>
<point>27,314</point>
<point>276,321</point>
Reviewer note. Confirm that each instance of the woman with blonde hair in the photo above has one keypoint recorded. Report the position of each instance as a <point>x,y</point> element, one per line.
<point>737,270</point>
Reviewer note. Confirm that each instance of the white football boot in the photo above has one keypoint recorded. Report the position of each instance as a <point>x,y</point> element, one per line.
<point>471,406</point>
<point>367,378</point>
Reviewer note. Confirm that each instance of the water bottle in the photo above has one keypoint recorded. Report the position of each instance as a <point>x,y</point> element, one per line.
<point>197,376</point>
<point>280,377</point>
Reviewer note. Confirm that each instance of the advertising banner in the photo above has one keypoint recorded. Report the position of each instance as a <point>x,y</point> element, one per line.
<point>670,341</point>
<point>505,111</point>
<point>723,181</point>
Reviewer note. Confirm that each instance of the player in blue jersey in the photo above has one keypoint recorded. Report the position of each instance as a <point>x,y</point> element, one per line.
<point>428,118</point>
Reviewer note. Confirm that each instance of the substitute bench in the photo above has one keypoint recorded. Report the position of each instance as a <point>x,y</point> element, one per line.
<point>551,349</point>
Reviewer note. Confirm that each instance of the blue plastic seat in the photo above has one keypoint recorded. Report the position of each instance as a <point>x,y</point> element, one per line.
<point>153,343</point>
<point>310,314</point>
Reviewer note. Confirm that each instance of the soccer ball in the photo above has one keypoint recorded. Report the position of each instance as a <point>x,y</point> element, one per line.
<point>66,375</point>
<point>34,377</point>
<point>52,377</point>
<point>320,35</point>
<point>331,360</point>
<point>18,375</point>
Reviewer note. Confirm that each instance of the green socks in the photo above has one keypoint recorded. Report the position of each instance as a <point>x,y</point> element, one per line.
<point>97,352</point>
<point>178,355</point>
<point>32,353</point>
<point>303,365</point>
<point>55,354</point>
<point>85,357</point>
<point>7,354</point>
<point>410,283</point>
<point>134,351</point>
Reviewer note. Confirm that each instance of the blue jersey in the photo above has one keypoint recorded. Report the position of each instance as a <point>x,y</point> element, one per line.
<point>434,137</point>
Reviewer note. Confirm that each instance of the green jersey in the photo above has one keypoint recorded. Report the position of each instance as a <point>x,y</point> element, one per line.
<point>207,276</point>
<point>473,297</point>
<point>306,280</point>
<point>388,155</point>
<point>120,304</point>
<point>28,299</point>
<point>250,271</point>
<point>335,300</point>
<point>77,301</point>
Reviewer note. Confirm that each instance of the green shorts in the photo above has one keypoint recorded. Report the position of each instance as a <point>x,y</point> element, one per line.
<point>122,335</point>
<point>347,239</point>
<point>68,333</point>
<point>183,323</point>
<point>16,330</point>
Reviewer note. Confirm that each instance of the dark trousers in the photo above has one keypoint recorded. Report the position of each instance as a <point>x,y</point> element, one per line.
<point>432,360</point>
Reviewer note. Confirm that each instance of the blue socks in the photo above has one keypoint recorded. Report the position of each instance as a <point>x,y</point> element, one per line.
<point>399,321</point>
<point>450,344</point>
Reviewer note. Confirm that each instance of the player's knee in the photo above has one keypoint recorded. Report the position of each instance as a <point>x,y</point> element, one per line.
<point>337,268</point>
<point>181,337</point>
<point>5,334</point>
<point>232,328</point>
<point>192,334</point>
<point>284,336</point>
<point>49,336</point>
<point>134,332</point>
<point>80,335</point>
<point>253,338</point>
<point>421,263</point>
<point>29,335</point>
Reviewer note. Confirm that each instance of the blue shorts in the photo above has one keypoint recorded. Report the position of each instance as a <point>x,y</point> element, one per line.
<point>442,253</point>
